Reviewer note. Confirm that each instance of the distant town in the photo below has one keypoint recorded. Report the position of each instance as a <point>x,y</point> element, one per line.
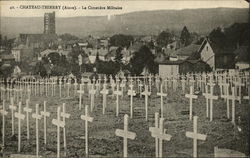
<point>168,53</point>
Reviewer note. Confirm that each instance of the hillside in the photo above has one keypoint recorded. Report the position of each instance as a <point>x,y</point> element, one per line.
<point>135,23</point>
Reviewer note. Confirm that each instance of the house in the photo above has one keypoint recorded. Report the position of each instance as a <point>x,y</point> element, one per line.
<point>22,52</point>
<point>93,52</point>
<point>242,59</point>
<point>169,68</point>
<point>17,71</point>
<point>215,57</point>
<point>163,55</point>
<point>184,53</point>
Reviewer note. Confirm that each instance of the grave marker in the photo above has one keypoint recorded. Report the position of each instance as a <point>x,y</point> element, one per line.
<point>126,135</point>
<point>104,93</point>
<point>12,107</point>
<point>132,93</point>
<point>45,115</point>
<point>87,119</point>
<point>162,95</point>
<point>37,117</point>
<point>195,136</point>
<point>59,124</point>
<point>81,92</point>
<point>3,112</point>
<point>64,115</point>
<point>20,117</point>
<point>146,93</point>
<point>191,96</point>
<point>27,110</point>
<point>117,93</point>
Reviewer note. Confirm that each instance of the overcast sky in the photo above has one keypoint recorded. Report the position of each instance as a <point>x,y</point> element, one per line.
<point>128,6</point>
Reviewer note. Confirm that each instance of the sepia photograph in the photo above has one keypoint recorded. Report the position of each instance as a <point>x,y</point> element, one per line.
<point>125,78</point>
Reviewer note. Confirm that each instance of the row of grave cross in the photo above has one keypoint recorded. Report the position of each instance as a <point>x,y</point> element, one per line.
<point>158,132</point>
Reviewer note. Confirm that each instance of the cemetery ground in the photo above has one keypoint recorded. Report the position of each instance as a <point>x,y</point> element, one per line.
<point>103,141</point>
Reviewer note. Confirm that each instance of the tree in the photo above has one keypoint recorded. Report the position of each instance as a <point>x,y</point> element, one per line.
<point>185,36</point>
<point>164,38</point>
<point>217,36</point>
<point>121,40</point>
<point>143,58</point>
<point>118,55</point>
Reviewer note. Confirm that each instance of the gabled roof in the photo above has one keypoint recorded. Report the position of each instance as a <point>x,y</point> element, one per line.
<point>186,51</point>
<point>47,52</point>
<point>7,56</point>
<point>178,62</point>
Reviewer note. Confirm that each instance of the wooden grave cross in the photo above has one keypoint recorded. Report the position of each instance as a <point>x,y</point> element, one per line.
<point>132,93</point>
<point>211,97</point>
<point>126,135</point>
<point>104,93</point>
<point>20,117</point>
<point>3,112</point>
<point>64,115</point>
<point>162,94</point>
<point>206,95</point>
<point>12,107</point>
<point>60,87</point>
<point>27,110</point>
<point>59,124</point>
<point>87,119</point>
<point>237,91</point>
<point>68,86</point>
<point>45,114</point>
<point>146,93</point>
<point>81,92</point>
<point>75,86</point>
<point>159,134</point>
<point>37,117</point>
<point>117,93</point>
<point>92,93</point>
<point>191,96</point>
<point>195,136</point>
<point>232,98</point>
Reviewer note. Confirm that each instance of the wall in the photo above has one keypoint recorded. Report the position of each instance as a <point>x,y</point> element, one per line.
<point>167,70</point>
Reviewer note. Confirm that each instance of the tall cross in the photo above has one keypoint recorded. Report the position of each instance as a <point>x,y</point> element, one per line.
<point>104,93</point>
<point>191,96</point>
<point>59,124</point>
<point>162,95</point>
<point>12,107</point>
<point>232,98</point>
<point>3,112</point>
<point>126,135</point>
<point>146,93</point>
<point>37,117</point>
<point>92,97</point>
<point>20,117</point>
<point>159,134</point>
<point>211,97</point>
<point>27,110</point>
<point>81,92</point>
<point>195,136</point>
<point>117,93</point>
<point>87,119</point>
<point>132,93</point>
<point>64,115</point>
<point>45,115</point>
<point>206,95</point>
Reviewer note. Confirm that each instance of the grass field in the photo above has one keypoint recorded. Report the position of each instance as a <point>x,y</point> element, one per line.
<point>103,142</point>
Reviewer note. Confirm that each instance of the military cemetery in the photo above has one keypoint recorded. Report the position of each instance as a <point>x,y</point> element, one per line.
<point>171,93</point>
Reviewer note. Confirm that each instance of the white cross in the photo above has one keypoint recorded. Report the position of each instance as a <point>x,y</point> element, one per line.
<point>27,110</point>
<point>92,97</point>
<point>87,119</point>
<point>211,97</point>
<point>232,98</point>
<point>132,93</point>
<point>191,96</point>
<point>37,117</point>
<point>104,92</point>
<point>81,92</point>
<point>12,107</point>
<point>117,93</point>
<point>20,117</point>
<point>3,112</point>
<point>64,115</point>
<point>146,93</point>
<point>195,136</point>
<point>206,95</point>
<point>126,135</point>
<point>159,134</point>
<point>162,95</point>
<point>59,124</point>
<point>45,115</point>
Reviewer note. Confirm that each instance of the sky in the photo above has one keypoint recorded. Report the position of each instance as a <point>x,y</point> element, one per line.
<point>127,6</point>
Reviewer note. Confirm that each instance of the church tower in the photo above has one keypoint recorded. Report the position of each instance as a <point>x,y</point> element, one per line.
<point>49,23</point>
